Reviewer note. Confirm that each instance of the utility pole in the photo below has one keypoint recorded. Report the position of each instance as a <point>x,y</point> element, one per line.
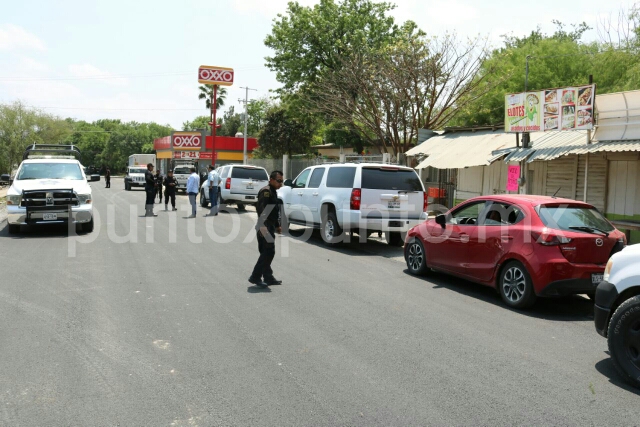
<point>246,107</point>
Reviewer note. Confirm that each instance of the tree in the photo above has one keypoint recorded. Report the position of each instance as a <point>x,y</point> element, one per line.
<point>417,82</point>
<point>283,134</point>
<point>231,123</point>
<point>256,112</point>
<point>200,122</point>
<point>308,41</point>
<point>206,93</point>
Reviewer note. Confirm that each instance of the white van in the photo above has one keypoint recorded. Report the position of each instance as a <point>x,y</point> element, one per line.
<point>364,197</point>
<point>239,184</point>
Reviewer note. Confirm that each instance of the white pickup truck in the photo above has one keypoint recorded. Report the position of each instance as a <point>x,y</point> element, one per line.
<point>50,187</point>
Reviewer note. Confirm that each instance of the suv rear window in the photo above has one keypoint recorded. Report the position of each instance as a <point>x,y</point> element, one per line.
<point>249,173</point>
<point>572,218</point>
<point>341,177</point>
<point>390,179</point>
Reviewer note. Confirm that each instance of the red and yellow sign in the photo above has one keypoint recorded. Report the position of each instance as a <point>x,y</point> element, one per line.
<point>211,75</point>
<point>186,141</point>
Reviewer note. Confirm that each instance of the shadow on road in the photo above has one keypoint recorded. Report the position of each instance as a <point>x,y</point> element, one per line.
<point>606,368</point>
<point>258,290</point>
<point>572,308</point>
<point>37,231</point>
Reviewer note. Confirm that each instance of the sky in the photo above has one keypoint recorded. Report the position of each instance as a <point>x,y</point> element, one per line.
<point>138,60</point>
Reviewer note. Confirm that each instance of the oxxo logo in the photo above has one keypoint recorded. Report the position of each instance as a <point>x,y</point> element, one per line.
<point>187,141</point>
<point>216,75</point>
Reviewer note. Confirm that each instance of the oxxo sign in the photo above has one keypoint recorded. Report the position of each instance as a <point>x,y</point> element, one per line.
<point>210,75</point>
<point>186,141</point>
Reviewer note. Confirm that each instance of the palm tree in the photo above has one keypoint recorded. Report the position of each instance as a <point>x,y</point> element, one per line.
<point>206,92</point>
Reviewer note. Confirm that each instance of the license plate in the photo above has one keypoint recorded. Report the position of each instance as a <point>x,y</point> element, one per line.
<point>250,197</point>
<point>597,278</point>
<point>49,216</point>
<point>249,187</point>
<point>394,205</point>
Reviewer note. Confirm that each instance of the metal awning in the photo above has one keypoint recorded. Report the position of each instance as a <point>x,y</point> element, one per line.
<point>455,150</point>
<point>551,145</point>
<point>618,116</point>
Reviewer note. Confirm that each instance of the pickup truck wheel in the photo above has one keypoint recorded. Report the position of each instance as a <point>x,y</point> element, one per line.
<point>515,286</point>
<point>394,238</point>
<point>87,227</point>
<point>416,257</point>
<point>203,201</point>
<point>14,228</point>
<point>331,230</point>
<point>624,340</point>
<point>127,187</point>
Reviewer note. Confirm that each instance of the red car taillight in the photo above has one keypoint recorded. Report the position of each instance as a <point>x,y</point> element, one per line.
<point>227,185</point>
<point>549,239</point>
<point>424,204</point>
<point>356,197</point>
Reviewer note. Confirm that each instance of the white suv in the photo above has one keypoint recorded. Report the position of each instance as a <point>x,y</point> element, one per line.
<point>50,187</point>
<point>239,184</point>
<point>363,198</point>
<point>617,311</point>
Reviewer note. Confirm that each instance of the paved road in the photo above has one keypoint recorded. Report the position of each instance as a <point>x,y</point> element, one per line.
<point>165,331</point>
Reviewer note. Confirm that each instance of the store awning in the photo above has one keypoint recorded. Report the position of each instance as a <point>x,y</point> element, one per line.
<point>461,149</point>
<point>618,116</point>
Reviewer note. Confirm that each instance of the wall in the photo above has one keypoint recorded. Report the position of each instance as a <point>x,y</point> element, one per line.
<point>623,191</point>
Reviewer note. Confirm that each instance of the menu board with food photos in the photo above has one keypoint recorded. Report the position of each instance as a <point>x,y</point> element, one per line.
<point>569,108</point>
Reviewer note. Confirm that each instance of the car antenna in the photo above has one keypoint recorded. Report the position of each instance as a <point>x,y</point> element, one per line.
<point>557,191</point>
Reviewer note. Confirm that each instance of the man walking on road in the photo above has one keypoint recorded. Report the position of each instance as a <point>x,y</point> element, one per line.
<point>150,189</point>
<point>158,185</point>
<point>192,190</point>
<point>213,182</point>
<point>107,178</point>
<point>170,191</point>
<point>268,225</point>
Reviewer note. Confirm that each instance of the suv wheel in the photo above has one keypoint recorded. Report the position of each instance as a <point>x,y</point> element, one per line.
<point>87,227</point>
<point>14,228</point>
<point>127,187</point>
<point>416,257</point>
<point>240,206</point>
<point>330,229</point>
<point>394,238</point>
<point>515,286</point>
<point>203,201</point>
<point>624,340</point>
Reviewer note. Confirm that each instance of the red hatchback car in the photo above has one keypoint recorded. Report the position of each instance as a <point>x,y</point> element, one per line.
<point>525,246</point>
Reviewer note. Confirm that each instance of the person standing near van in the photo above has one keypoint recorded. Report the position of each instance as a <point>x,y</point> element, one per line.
<point>193,189</point>
<point>150,189</point>
<point>213,182</point>
<point>158,185</point>
<point>107,178</point>
<point>268,209</point>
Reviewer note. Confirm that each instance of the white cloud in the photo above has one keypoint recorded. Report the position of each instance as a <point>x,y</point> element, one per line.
<point>90,72</point>
<point>13,37</point>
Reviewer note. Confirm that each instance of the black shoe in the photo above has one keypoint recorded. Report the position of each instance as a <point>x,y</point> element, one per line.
<point>257,282</point>
<point>273,281</point>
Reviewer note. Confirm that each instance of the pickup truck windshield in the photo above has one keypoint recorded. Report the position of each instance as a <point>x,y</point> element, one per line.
<point>50,171</point>
<point>137,170</point>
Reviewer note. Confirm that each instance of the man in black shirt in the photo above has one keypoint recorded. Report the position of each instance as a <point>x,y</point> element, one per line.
<point>268,224</point>
<point>158,178</point>
<point>170,190</point>
<point>150,189</point>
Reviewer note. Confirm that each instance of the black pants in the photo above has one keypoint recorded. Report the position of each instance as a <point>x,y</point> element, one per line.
<point>108,183</point>
<point>171,194</point>
<point>267,249</point>
<point>151,196</point>
<point>159,193</point>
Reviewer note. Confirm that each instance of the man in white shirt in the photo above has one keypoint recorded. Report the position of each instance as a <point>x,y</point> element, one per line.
<point>193,189</point>
<point>213,181</point>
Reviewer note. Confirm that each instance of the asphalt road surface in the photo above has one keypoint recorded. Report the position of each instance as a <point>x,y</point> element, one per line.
<point>166,331</point>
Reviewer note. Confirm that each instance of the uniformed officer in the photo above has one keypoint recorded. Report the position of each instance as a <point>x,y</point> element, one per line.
<point>268,225</point>
<point>150,189</point>
<point>170,190</point>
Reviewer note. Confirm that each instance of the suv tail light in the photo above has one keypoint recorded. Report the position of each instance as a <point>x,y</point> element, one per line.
<point>549,239</point>
<point>356,197</point>
<point>227,184</point>
<point>425,203</point>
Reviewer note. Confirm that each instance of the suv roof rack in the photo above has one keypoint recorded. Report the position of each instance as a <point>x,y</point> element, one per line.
<point>51,150</point>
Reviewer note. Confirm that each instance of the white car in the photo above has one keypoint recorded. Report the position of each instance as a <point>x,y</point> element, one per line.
<point>239,184</point>
<point>364,197</point>
<point>134,177</point>
<point>50,188</point>
<point>617,311</point>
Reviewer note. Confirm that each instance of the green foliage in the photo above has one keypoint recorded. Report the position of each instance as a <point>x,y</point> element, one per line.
<point>307,41</point>
<point>343,136</point>
<point>200,122</point>
<point>284,134</point>
<point>206,92</point>
<point>232,123</point>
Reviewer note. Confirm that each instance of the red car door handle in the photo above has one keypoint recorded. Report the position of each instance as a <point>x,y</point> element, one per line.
<point>507,237</point>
